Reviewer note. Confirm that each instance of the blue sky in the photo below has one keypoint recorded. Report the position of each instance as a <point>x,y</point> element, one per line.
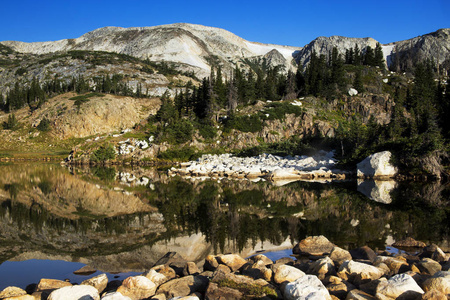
<point>293,23</point>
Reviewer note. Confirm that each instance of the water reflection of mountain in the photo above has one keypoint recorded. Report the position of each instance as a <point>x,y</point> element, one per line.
<point>127,222</point>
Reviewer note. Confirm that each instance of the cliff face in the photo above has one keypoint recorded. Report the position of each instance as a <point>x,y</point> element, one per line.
<point>324,45</point>
<point>435,45</point>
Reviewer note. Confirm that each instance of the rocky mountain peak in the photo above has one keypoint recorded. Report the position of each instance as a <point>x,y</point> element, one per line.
<point>324,45</point>
<point>275,58</point>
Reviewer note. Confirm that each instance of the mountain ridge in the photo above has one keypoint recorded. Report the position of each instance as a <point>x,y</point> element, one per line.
<point>194,44</point>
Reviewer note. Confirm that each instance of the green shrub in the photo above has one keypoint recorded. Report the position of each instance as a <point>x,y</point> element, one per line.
<point>178,132</point>
<point>183,154</point>
<point>44,125</point>
<point>104,153</point>
<point>12,123</point>
<point>245,123</point>
<point>278,111</point>
<point>207,131</point>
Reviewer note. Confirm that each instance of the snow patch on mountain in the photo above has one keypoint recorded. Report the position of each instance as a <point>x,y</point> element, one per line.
<point>387,52</point>
<point>262,49</point>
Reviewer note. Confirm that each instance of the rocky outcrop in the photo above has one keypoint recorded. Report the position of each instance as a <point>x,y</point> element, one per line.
<point>376,166</point>
<point>324,45</point>
<point>269,166</point>
<point>436,45</point>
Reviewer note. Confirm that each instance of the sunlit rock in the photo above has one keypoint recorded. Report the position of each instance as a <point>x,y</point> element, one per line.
<point>377,165</point>
<point>306,287</point>
<point>399,285</point>
<point>75,293</point>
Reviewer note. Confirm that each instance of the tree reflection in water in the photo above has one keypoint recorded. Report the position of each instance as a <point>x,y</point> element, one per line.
<point>90,212</point>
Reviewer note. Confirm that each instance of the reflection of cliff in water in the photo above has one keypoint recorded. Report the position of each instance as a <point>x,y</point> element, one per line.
<point>126,223</point>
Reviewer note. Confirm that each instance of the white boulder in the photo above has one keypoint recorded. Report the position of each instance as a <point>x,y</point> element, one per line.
<point>306,287</point>
<point>401,284</point>
<point>352,92</point>
<point>75,292</point>
<point>377,165</point>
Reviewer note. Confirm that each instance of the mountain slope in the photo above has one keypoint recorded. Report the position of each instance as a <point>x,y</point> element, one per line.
<point>195,45</point>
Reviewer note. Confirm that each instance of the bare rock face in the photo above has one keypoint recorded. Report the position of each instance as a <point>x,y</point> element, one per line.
<point>436,44</point>
<point>324,45</point>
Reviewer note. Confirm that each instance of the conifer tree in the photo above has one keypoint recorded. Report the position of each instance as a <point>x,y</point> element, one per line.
<point>300,81</point>
<point>357,57</point>
<point>379,57</point>
<point>369,57</point>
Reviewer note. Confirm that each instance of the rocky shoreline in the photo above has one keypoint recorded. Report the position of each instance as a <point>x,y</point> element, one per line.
<point>318,167</point>
<point>318,270</point>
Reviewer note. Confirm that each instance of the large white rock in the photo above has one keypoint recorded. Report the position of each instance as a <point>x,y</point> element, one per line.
<point>75,292</point>
<point>376,165</point>
<point>401,284</point>
<point>306,287</point>
<point>352,92</point>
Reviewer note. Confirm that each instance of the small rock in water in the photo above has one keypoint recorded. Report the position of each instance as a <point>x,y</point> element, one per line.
<point>86,270</point>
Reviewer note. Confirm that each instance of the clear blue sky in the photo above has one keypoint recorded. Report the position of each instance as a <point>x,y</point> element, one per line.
<point>294,23</point>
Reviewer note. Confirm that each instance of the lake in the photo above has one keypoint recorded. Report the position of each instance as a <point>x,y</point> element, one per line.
<point>56,219</point>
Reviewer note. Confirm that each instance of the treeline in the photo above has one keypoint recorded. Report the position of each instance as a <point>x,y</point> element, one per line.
<point>34,94</point>
<point>326,76</point>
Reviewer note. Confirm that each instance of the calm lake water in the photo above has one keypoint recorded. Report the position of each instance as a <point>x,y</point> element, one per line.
<point>56,219</point>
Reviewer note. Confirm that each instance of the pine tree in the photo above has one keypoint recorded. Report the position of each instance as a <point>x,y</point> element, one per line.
<point>337,69</point>
<point>357,82</point>
<point>290,86</point>
<point>300,81</point>
<point>369,57</point>
<point>379,57</point>
<point>357,57</point>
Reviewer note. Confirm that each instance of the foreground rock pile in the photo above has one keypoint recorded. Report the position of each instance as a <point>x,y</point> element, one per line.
<point>321,271</point>
<point>269,166</point>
